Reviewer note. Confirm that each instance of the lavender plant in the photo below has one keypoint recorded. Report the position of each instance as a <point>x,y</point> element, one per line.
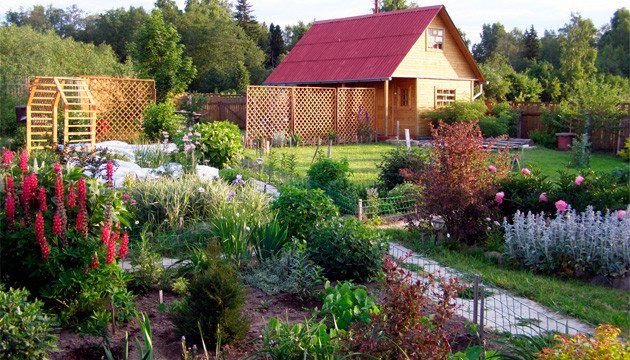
<point>594,242</point>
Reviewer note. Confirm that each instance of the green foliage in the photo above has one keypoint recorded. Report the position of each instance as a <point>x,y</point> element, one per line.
<point>221,143</point>
<point>158,55</point>
<point>147,266</point>
<point>325,170</point>
<point>159,118</point>
<point>577,52</point>
<point>145,353</point>
<point>523,192</point>
<point>300,209</point>
<point>625,152</point>
<point>459,111</point>
<point>613,56</point>
<point>603,345</point>
<point>347,304</point>
<point>292,271</point>
<point>25,51</point>
<point>213,306</point>
<point>308,340</point>
<point>389,175</point>
<point>268,239</point>
<point>347,249</point>
<point>545,138</point>
<point>580,154</point>
<point>25,331</point>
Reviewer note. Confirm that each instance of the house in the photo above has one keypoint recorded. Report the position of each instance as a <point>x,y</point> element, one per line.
<point>414,58</point>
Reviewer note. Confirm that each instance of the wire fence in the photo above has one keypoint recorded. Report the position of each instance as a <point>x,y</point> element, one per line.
<point>498,309</point>
<point>364,201</point>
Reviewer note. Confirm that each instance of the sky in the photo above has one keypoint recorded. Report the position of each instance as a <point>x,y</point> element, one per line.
<point>468,15</point>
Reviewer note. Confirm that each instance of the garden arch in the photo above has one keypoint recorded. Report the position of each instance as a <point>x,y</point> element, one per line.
<point>79,112</point>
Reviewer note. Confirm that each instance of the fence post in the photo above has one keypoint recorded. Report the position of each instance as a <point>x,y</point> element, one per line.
<point>475,299</point>
<point>292,120</point>
<point>330,143</point>
<point>397,135</point>
<point>360,209</point>
<point>482,313</point>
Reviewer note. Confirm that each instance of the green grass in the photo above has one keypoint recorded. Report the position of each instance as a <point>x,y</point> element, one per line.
<point>550,161</point>
<point>362,157</point>
<point>590,303</point>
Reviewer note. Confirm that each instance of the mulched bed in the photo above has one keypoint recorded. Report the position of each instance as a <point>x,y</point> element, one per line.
<point>167,344</point>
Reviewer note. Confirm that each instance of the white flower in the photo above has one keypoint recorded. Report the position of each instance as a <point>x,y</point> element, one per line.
<point>201,190</point>
<point>247,228</point>
<point>137,222</point>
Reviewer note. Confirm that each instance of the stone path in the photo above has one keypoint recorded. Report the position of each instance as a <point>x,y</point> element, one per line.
<point>267,188</point>
<point>503,311</point>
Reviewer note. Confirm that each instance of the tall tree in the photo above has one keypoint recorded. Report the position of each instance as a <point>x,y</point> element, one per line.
<point>613,56</point>
<point>530,44</point>
<point>68,22</point>
<point>276,44</point>
<point>491,36</point>
<point>550,48</point>
<point>118,28</point>
<point>246,20</point>
<point>391,5</point>
<point>293,33</point>
<point>158,55</point>
<point>577,50</point>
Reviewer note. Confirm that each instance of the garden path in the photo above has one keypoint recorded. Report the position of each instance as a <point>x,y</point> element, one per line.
<point>266,188</point>
<point>503,312</point>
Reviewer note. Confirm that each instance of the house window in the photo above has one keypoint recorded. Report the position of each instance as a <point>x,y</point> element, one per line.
<point>404,97</point>
<point>435,39</point>
<point>444,97</point>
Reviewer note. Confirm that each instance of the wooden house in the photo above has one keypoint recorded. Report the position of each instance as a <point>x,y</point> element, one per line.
<point>415,59</point>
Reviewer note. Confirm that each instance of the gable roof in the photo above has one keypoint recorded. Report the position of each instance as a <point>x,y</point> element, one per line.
<point>360,48</point>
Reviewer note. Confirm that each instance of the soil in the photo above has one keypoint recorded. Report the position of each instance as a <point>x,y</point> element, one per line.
<point>167,344</point>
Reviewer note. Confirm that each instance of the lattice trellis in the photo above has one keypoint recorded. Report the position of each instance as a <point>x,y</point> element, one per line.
<point>121,102</point>
<point>314,115</point>
<point>356,112</point>
<point>310,112</point>
<point>268,111</point>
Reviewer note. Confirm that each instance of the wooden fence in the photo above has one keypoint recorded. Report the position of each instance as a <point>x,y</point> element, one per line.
<point>611,139</point>
<point>313,113</point>
<point>219,107</point>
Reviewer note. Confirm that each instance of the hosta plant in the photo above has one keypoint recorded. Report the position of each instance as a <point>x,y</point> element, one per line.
<point>590,241</point>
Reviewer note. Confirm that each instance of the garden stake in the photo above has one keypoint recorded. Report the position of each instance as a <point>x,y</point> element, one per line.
<point>161,296</point>
<point>360,208</point>
<point>397,135</point>
<point>476,299</point>
<point>408,140</point>
<point>330,142</point>
<point>314,155</point>
<point>113,316</point>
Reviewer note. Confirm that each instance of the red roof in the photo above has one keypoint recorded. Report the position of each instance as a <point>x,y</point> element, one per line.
<point>365,47</point>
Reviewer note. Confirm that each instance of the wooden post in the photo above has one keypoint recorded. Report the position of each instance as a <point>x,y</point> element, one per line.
<point>292,120</point>
<point>336,121</point>
<point>397,135</point>
<point>417,109</point>
<point>475,299</point>
<point>111,303</point>
<point>330,143</point>
<point>360,210</point>
<point>481,313</point>
<point>161,296</point>
<point>407,140</point>
<point>386,104</point>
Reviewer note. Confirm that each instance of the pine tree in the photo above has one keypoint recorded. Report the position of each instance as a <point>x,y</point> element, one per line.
<point>531,44</point>
<point>245,19</point>
<point>276,44</point>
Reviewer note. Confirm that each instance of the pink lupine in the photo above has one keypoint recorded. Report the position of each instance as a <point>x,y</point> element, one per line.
<point>94,263</point>
<point>24,161</point>
<point>42,199</point>
<point>124,242</point>
<point>72,196</point>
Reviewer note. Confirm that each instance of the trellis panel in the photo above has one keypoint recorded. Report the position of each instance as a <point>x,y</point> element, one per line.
<point>121,102</point>
<point>356,112</point>
<point>268,111</point>
<point>314,115</point>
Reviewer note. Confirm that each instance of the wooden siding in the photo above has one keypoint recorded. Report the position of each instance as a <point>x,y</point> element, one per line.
<point>447,63</point>
<point>426,96</point>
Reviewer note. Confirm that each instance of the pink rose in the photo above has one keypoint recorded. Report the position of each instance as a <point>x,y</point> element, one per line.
<point>499,197</point>
<point>526,171</point>
<point>492,168</point>
<point>621,214</point>
<point>543,197</point>
<point>578,180</point>
<point>561,205</point>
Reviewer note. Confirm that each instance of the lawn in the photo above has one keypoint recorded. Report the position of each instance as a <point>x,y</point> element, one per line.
<point>590,303</point>
<point>363,159</point>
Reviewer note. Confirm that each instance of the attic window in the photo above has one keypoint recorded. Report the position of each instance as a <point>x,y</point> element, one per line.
<point>444,97</point>
<point>435,39</point>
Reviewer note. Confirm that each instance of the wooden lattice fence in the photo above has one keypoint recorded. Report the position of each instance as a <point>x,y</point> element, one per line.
<point>312,112</point>
<point>120,104</point>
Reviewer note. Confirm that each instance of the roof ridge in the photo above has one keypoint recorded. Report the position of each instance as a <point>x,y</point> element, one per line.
<point>386,13</point>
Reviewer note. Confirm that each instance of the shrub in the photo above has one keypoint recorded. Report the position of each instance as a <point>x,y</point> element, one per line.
<point>625,152</point>
<point>160,118</point>
<point>300,209</point>
<point>492,127</point>
<point>457,184</point>
<point>325,171</point>
<point>221,143</point>
<point>346,249</point>
<point>307,340</point>
<point>459,111</point>
<point>600,190</point>
<point>269,239</point>
<point>229,175</point>
<point>60,239</point>
<point>347,304</point>
<point>214,305</point>
<point>604,345</point>
<point>292,272</point>
<point>547,139</point>
<point>406,328</point>
<point>591,241</point>
<point>523,192</point>
<point>25,331</point>
<point>402,196</point>
<point>393,161</point>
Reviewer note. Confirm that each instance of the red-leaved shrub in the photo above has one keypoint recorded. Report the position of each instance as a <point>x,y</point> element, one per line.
<point>409,325</point>
<point>460,182</point>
